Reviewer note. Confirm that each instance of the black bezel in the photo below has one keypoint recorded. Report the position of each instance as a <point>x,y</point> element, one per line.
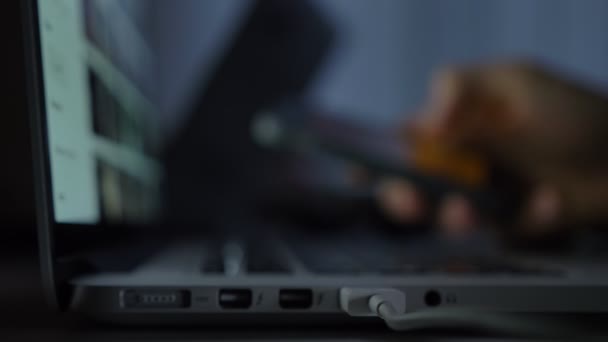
<point>44,220</point>
<point>54,240</point>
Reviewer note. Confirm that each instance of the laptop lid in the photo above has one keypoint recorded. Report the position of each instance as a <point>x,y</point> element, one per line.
<point>104,74</point>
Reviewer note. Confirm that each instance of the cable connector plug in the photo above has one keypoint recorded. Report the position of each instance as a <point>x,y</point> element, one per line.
<point>355,301</point>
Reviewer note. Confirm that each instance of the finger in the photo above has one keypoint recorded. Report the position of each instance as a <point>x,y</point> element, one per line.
<point>584,196</point>
<point>545,206</point>
<point>469,109</point>
<point>400,201</point>
<point>445,94</point>
<point>543,211</point>
<point>456,216</point>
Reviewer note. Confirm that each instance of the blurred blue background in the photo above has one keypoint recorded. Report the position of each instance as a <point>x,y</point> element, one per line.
<point>386,50</point>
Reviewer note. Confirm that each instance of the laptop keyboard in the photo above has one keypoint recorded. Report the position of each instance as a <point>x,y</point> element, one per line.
<point>381,258</point>
<point>356,265</point>
<point>355,257</point>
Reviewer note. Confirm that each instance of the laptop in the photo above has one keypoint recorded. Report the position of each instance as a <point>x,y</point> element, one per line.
<point>101,180</point>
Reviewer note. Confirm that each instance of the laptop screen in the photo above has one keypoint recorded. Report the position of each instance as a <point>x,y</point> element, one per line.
<point>116,78</point>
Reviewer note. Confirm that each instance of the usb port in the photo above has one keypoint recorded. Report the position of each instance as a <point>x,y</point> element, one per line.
<point>295,298</point>
<point>235,298</point>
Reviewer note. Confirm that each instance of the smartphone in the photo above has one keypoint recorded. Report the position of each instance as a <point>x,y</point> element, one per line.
<point>383,154</point>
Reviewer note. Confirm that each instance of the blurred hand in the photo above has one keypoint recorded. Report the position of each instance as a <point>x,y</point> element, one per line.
<point>539,128</point>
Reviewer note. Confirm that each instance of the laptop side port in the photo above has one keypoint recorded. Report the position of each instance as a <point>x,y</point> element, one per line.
<point>235,298</point>
<point>295,298</point>
<point>155,299</point>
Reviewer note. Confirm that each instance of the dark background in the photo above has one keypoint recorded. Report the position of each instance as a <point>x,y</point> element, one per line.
<point>16,189</point>
<point>21,299</point>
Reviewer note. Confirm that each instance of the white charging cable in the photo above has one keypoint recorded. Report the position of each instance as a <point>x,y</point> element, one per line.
<point>390,305</point>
